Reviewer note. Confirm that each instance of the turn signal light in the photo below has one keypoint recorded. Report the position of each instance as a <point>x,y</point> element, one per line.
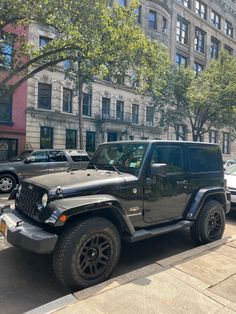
<point>62,218</point>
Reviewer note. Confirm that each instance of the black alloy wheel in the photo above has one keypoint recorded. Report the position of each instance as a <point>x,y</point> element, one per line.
<point>210,223</point>
<point>214,225</point>
<point>94,256</point>
<point>86,253</point>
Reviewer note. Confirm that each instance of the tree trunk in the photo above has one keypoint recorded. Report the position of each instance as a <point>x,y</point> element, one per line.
<point>80,113</point>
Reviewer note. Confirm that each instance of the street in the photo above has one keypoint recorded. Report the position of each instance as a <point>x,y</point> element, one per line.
<point>27,280</point>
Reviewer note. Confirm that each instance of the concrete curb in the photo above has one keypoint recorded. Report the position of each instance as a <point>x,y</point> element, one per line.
<point>158,266</point>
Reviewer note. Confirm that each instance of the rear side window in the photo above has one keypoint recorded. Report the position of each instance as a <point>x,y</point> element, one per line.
<point>205,159</point>
<point>80,158</point>
<point>171,156</point>
<point>57,156</point>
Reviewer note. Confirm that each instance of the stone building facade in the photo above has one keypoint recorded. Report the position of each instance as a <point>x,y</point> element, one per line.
<point>194,32</point>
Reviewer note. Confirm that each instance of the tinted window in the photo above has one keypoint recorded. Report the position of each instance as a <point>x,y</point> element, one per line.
<point>171,156</point>
<point>57,156</point>
<point>80,158</point>
<point>205,159</point>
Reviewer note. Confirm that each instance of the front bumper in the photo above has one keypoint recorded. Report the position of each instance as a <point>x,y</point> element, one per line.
<point>24,234</point>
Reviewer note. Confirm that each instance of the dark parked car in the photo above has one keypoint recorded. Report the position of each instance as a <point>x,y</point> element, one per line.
<point>40,162</point>
<point>131,191</point>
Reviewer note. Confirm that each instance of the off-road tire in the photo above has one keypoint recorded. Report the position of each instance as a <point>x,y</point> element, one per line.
<point>7,183</point>
<point>91,242</point>
<point>210,223</point>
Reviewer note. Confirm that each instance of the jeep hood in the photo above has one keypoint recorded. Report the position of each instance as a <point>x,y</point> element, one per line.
<point>81,179</point>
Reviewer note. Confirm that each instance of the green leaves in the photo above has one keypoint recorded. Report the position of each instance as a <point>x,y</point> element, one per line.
<point>204,102</point>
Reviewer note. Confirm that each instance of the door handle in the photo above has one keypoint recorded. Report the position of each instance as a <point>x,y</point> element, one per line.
<point>44,166</point>
<point>183,182</point>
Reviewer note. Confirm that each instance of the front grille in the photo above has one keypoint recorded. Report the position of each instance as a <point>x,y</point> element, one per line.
<point>29,197</point>
<point>232,191</point>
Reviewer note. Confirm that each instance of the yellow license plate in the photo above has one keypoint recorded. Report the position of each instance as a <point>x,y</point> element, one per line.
<point>3,227</point>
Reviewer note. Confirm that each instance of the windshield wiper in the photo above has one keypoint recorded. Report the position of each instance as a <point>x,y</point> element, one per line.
<point>95,167</point>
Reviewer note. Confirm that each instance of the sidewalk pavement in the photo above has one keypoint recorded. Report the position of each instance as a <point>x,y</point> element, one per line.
<point>201,280</point>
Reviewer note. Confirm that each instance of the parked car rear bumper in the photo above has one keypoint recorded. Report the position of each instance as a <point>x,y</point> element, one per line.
<point>25,235</point>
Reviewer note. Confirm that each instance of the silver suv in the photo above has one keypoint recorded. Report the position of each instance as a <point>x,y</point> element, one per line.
<point>39,162</point>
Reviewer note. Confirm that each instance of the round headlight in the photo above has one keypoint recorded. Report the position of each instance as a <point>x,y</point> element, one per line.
<point>44,199</point>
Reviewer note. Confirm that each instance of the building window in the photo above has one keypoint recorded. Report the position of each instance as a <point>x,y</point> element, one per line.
<point>228,29</point>
<point>199,40</point>
<point>90,141</point>
<point>215,19</point>
<point>43,41</point>
<point>71,139</point>
<point>201,9</point>
<point>5,108</point>
<point>225,145</point>
<point>44,96</point>
<point>214,49</point>
<point>46,137</point>
<point>181,60</point>
<point>67,100</point>
<point>135,113</point>
<point>164,25</point>
<point>228,49</point>
<point>67,64</point>
<point>152,19</point>
<point>198,68</point>
<point>87,104</point>
<point>6,52</point>
<point>182,31</point>
<point>149,115</point>
<point>186,3</point>
<point>106,107</point>
<point>213,136</point>
<point>119,110</point>
<point>123,3</point>
<point>138,12</point>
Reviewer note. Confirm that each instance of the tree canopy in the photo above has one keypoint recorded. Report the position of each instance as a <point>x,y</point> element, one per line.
<point>201,103</point>
<point>93,32</point>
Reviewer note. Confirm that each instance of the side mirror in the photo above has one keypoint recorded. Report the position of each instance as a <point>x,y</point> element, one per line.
<point>29,159</point>
<point>159,170</point>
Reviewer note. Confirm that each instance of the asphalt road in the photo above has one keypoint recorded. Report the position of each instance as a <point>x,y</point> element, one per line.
<point>27,280</point>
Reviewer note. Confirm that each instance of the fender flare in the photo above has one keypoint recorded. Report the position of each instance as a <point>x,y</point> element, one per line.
<point>197,202</point>
<point>84,204</point>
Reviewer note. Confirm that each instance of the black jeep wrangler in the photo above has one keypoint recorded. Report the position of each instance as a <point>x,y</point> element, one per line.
<point>131,190</point>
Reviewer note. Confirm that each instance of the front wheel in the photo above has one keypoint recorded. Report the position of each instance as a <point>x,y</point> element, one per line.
<point>210,223</point>
<point>86,253</point>
<point>7,183</point>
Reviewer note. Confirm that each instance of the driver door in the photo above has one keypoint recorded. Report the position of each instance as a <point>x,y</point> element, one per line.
<point>165,196</point>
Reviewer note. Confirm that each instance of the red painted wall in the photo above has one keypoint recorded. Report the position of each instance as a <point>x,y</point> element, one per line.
<point>19,103</point>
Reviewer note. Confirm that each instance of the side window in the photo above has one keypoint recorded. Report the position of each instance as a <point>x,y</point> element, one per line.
<point>39,156</point>
<point>205,159</point>
<point>171,156</point>
<point>57,156</point>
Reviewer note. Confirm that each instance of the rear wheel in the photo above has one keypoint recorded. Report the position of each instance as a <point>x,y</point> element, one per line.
<point>7,183</point>
<point>210,223</point>
<point>87,253</point>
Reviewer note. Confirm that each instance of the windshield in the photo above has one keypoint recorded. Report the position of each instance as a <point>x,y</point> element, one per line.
<point>231,170</point>
<point>126,157</point>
